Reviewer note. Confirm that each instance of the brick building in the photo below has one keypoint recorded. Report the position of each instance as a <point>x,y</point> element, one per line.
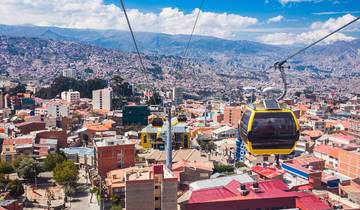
<point>232,115</point>
<point>27,127</point>
<point>144,188</point>
<point>349,163</point>
<point>113,152</point>
<point>354,123</point>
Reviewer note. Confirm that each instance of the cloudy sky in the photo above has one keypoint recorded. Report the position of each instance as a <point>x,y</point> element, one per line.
<point>282,22</point>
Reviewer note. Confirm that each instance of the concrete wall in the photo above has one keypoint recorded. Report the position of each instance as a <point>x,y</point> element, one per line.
<point>169,194</point>
<point>140,195</point>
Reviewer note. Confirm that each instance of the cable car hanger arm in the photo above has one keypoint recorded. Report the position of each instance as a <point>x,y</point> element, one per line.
<point>280,65</point>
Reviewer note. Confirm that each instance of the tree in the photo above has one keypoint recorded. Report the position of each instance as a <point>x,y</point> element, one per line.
<point>116,207</point>
<point>52,160</point>
<point>220,168</point>
<point>6,168</point>
<point>17,161</point>
<point>20,88</point>
<point>15,188</point>
<point>29,168</point>
<point>92,191</point>
<point>66,173</point>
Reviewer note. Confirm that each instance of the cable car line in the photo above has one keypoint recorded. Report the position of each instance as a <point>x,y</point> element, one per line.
<point>134,40</point>
<point>280,65</point>
<point>191,35</point>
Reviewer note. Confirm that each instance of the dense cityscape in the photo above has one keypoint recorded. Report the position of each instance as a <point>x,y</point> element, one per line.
<point>255,112</point>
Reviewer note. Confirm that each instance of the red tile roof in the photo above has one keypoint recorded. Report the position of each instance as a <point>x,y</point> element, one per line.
<point>18,141</point>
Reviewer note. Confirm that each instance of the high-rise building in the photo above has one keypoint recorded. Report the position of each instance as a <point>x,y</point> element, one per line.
<point>57,108</point>
<point>102,99</point>
<point>70,96</point>
<point>232,115</point>
<point>177,95</point>
<point>354,123</point>
<point>71,73</point>
<point>144,188</point>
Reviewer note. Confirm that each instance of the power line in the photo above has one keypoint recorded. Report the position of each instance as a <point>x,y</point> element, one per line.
<point>134,40</point>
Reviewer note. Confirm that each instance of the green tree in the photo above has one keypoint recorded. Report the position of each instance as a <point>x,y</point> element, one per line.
<point>92,191</point>
<point>17,161</point>
<point>66,173</point>
<point>223,168</point>
<point>6,168</point>
<point>20,88</point>
<point>15,188</point>
<point>28,168</point>
<point>116,207</point>
<point>52,160</point>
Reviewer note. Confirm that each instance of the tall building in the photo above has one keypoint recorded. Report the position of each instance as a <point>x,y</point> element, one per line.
<point>177,95</point>
<point>71,73</point>
<point>2,99</point>
<point>354,123</point>
<point>102,99</point>
<point>70,96</point>
<point>232,115</point>
<point>57,108</point>
<point>113,152</point>
<point>144,188</point>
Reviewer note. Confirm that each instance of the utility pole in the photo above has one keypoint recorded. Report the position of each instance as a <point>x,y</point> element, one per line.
<point>169,139</point>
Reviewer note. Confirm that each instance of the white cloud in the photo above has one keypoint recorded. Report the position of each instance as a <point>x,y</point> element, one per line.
<point>316,31</point>
<point>95,14</point>
<point>275,19</point>
<point>283,2</point>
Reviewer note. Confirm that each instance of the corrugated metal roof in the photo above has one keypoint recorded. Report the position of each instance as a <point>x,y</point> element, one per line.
<point>222,181</point>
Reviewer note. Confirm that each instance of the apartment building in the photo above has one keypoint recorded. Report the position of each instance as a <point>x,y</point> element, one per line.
<point>152,188</point>
<point>70,96</point>
<point>102,99</point>
<point>232,115</point>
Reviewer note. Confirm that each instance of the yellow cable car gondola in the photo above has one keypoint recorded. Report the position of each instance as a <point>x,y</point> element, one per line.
<point>268,129</point>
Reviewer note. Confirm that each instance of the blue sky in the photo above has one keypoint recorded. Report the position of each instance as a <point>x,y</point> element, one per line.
<point>282,22</point>
<point>305,11</point>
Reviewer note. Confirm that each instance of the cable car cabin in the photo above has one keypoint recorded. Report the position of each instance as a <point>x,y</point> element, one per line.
<point>268,129</point>
<point>182,118</point>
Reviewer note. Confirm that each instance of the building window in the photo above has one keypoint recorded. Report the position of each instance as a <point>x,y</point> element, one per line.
<point>266,158</point>
<point>156,198</point>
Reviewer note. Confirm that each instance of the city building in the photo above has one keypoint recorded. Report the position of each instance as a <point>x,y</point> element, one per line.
<point>232,115</point>
<point>235,195</point>
<point>155,137</point>
<point>354,124</point>
<point>13,147</point>
<point>102,99</point>
<point>329,154</point>
<point>112,152</point>
<point>144,188</point>
<point>136,115</point>
<point>28,127</point>
<point>71,73</point>
<point>177,95</point>
<point>190,171</point>
<point>58,108</point>
<point>349,163</point>
<point>70,96</point>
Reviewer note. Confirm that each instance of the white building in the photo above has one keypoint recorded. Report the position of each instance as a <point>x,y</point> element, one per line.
<point>102,99</point>
<point>70,96</point>
<point>71,73</point>
<point>177,95</point>
<point>58,108</point>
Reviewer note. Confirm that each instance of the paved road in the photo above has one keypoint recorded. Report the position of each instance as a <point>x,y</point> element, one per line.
<point>81,200</point>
